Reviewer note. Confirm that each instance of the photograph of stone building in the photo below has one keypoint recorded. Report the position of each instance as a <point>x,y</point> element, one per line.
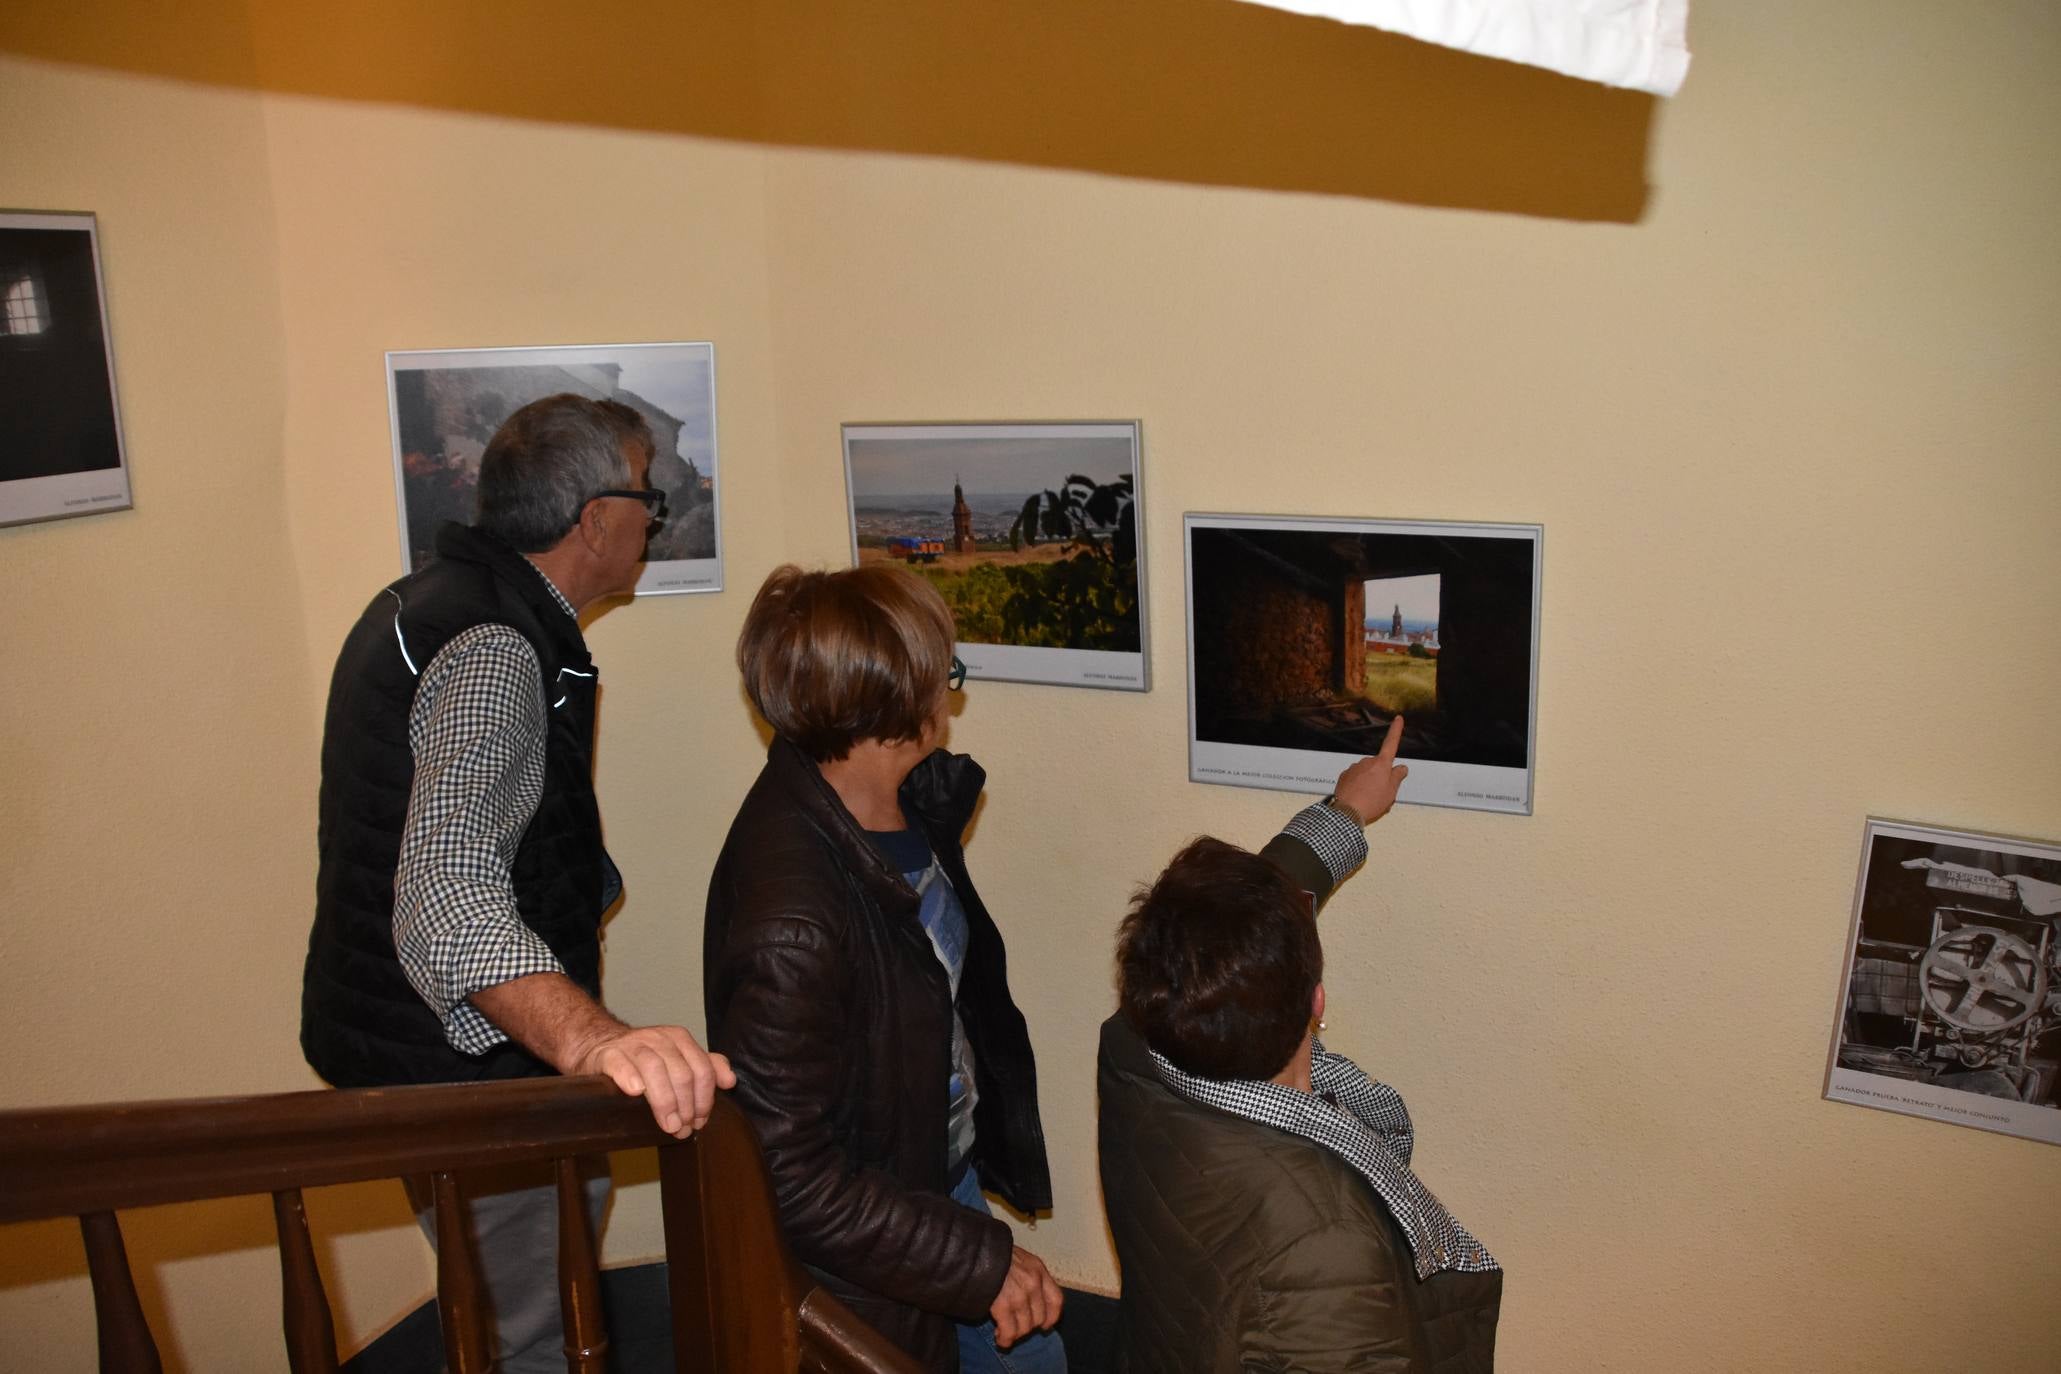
<point>446,405</point>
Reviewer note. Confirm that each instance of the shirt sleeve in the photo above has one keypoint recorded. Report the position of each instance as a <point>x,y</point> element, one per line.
<point>477,730</point>
<point>1336,838</point>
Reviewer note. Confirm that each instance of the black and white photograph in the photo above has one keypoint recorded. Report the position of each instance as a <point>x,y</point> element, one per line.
<point>1032,533</point>
<point>1307,636</point>
<point>60,422</point>
<point>447,403</point>
<point>1950,1005</point>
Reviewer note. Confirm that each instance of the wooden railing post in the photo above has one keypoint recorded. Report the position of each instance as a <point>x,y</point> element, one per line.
<point>742,1303</point>
<point>579,1277</point>
<point>687,1277</point>
<point>310,1335</point>
<point>458,1285</point>
<point>125,1343</point>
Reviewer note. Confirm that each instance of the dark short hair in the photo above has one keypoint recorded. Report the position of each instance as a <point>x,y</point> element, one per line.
<point>833,658</point>
<point>548,460</point>
<point>1218,961</point>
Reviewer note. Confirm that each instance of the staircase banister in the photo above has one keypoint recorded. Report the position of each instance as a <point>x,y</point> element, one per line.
<point>727,1255</point>
<point>63,1161</point>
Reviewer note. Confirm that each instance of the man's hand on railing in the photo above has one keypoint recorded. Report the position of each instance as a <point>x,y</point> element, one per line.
<point>667,1068</point>
<point>552,1018</point>
<point>1029,1300</point>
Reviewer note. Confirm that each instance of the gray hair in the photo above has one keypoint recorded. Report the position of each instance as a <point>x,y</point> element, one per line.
<point>548,460</point>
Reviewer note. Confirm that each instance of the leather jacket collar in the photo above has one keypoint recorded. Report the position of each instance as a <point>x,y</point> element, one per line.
<point>939,794</point>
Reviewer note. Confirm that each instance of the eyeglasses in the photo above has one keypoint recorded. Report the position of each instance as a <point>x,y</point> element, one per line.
<point>957,677</point>
<point>654,503</point>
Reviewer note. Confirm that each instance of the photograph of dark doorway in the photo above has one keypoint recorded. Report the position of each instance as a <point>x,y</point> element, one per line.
<point>1307,637</point>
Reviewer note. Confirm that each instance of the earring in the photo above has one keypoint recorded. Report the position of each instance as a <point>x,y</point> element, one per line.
<point>1320,1025</point>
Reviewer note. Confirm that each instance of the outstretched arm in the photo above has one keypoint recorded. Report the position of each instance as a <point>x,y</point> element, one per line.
<point>1322,845</point>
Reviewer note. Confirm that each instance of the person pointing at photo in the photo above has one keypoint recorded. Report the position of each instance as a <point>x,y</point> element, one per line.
<point>1259,1186</point>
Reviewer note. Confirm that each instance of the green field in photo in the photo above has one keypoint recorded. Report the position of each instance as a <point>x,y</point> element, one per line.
<point>1401,684</point>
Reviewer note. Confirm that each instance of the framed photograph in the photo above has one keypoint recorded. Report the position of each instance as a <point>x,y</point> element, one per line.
<point>447,403</point>
<point>1950,1005</point>
<point>60,424</point>
<point>1032,531</point>
<point>1307,636</point>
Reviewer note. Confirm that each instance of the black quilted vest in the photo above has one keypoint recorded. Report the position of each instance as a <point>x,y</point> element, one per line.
<point>362,1024</point>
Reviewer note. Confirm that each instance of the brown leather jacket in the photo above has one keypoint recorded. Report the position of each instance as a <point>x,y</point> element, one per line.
<point>824,990</point>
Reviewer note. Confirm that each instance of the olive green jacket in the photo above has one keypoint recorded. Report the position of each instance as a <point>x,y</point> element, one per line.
<point>1245,1248</point>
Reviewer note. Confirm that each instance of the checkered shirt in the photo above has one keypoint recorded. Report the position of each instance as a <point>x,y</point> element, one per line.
<point>477,728</point>
<point>1333,834</point>
<point>1365,1124</point>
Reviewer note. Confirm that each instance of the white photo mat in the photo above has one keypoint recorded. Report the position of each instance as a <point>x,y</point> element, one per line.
<point>61,448</point>
<point>1948,1001</point>
<point>1284,708</point>
<point>946,500</point>
<point>673,385</point>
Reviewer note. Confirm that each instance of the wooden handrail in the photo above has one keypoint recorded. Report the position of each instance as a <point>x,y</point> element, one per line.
<point>67,1160</point>
<point>741,1302</point>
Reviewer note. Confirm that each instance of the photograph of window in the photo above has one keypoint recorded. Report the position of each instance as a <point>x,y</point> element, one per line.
<point>60,425</point>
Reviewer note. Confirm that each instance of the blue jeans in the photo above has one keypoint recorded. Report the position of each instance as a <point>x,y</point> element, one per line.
<point>1038,1353</point>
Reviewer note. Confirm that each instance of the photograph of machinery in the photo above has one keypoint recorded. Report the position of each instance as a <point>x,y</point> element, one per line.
<point>1307,636</point>
<point>1951,1000</point>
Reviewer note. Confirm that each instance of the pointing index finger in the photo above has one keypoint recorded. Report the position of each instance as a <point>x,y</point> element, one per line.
<point>1392,740</point>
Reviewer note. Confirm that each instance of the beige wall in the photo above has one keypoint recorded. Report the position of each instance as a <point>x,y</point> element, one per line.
<point>1791,435</point>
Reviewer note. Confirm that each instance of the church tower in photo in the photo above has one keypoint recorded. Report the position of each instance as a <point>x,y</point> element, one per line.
<point>962,520</point>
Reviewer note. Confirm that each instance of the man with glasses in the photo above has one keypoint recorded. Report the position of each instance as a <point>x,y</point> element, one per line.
<point>462,876</point>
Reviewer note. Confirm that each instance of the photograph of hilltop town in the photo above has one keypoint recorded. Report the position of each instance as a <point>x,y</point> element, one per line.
<point>1307,637</point>
<point>1030,532</point>
<point>447,404</point>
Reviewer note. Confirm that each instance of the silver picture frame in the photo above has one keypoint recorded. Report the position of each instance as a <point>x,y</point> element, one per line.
<point>443,405</point>
<point>61,447</point>
<point>1950,996</point>
<point>1294,671</point>
<point>1034,532</point>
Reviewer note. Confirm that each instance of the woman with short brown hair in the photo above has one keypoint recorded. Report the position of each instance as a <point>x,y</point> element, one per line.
<point>860,987</point>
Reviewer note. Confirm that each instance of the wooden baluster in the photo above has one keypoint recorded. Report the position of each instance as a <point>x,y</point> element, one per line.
<point>459,1305</point>
<point>310,1335</point>
<point>687,1259</point>
<point>125,1343</point>
<point>579,1277</point>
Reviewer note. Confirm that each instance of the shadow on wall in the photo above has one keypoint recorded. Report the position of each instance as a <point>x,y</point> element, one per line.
<point>1211,92</point>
